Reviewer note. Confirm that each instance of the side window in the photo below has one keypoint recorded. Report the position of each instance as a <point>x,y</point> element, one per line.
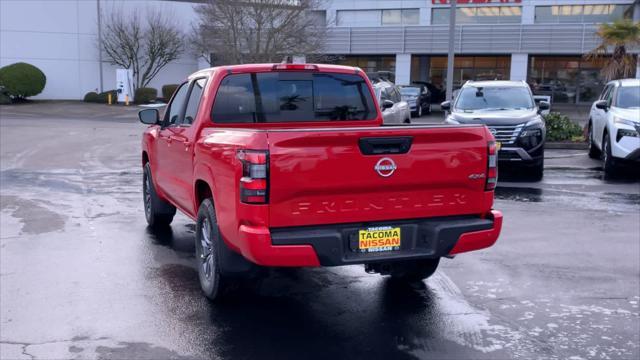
<point>174,109</point>
<point>235,101</point>
<point>395,95</point>
<point>194,101</point>
<point>609,95</point>
<point>384,94</point>
<point>603,95</point>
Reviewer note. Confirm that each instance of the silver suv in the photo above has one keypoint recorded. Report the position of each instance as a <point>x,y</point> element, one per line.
<point>510,112</point>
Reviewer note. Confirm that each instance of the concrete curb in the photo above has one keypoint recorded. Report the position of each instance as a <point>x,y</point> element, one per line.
<point>567,145</point>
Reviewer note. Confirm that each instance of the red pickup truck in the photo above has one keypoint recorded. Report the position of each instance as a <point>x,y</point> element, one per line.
<point>289,165</point>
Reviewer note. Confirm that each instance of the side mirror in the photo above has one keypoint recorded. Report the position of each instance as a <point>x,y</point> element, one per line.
<point>542,106</point>
<point>149,116</point>
<point>446,106</point>
<point>387,104</point>
<point>602,105</point>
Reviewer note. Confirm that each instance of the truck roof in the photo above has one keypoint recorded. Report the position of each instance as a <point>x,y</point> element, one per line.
<point>626,82</point>
<point>244,68</point>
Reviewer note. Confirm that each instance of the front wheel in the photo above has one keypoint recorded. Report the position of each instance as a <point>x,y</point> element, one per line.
<point>610,165</point>
<point>157,211</point>
<point>420,110</point>
<point>414,270</point>
<point>594,152</point>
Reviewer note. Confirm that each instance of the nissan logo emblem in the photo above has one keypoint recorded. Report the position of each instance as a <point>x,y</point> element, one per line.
<point>385,167</point>
<point>493,131</point>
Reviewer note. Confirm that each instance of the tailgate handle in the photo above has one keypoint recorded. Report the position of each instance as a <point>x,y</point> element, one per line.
<point>385,145</point>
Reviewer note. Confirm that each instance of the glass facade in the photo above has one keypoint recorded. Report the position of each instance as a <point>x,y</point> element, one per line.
<point>371,64</point>
<point>468,68</point>
<point>581,13</point>
<point>567,79</point>
<point>479,15</point>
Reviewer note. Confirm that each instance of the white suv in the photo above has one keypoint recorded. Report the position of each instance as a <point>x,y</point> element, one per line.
<point>614,124</point>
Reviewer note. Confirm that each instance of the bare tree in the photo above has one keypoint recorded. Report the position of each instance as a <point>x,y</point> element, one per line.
<point>143,45</point>
<point>251,31</point>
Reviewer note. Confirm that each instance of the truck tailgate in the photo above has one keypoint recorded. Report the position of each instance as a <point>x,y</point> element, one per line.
<point>325,176</point>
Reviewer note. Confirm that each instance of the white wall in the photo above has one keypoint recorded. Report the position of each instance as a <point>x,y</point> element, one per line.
<point>59,37</point>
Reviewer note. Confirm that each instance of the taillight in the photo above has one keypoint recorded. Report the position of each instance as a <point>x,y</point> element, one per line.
<point>492,165</point>
<point>295,67</point>
<point>255,176</point>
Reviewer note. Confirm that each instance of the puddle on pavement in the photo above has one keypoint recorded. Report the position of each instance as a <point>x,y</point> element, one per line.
<point>590,200</point>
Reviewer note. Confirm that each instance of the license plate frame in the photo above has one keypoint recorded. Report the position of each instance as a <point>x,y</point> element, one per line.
<point>379,239</point>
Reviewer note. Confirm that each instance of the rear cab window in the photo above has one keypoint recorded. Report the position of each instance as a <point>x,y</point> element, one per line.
<point>277,97</point>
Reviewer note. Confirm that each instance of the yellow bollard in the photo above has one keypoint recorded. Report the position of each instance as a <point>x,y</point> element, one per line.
<point>126,100</point>
<point>109,98</point>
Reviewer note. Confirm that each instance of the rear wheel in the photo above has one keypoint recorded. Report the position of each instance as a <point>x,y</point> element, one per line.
<point>609,162</point>
<point>208,252</point>
<point>594,152</point>
<point>414,270</point>
<point>157,211</point>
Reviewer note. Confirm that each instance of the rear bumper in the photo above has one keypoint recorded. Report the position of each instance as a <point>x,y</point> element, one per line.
<point>331,245</point>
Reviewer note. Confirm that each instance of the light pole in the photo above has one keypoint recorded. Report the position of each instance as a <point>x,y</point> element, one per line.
<point>451,55</point>
<point>100,44</point>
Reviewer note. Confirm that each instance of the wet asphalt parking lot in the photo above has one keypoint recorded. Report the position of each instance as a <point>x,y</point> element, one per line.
<point>81,276</point>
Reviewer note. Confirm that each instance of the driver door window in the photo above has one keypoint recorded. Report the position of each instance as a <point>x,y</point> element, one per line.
<point>173,114</point>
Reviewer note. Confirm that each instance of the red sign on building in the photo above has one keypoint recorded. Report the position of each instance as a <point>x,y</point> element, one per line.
<point>444,2</point>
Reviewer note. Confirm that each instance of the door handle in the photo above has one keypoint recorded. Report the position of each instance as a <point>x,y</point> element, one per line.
<point>385,145</point>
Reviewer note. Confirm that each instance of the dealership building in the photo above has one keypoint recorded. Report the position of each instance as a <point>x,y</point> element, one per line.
<point>539,41</point>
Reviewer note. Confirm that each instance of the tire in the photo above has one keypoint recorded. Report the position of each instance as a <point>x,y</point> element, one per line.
<point>594,152</point>
<point>609,163</point>
<point>158,212</point>
<point>429,109</point>
<point>407,121</point>
<point>419,111</point>
<point>208,249</point>
<point>414,270</point>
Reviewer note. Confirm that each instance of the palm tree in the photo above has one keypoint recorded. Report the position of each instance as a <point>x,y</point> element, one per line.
<point>618,35</point>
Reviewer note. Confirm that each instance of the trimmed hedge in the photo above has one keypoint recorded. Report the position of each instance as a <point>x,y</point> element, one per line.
<point>145,95</point>
<point>561,128</point>
<point>101,98</point>
<point>168,90</point>
<point>22,80</point>
<point>4,98</point>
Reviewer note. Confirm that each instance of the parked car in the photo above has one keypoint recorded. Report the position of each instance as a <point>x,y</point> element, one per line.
<point>418,97</point>
<point>438,94</point>
<point>508,109</point>
<point>288,165</point>
<point>394,109</point>
<point>614,124</point>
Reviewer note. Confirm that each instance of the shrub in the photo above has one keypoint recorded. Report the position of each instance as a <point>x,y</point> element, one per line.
<point>560,128</point>
<point>103,97</point>
<point>91,96</point>
<point>168,90</point>
<point>145,95</point>
<point>5,99</point>
<point>21,80</point>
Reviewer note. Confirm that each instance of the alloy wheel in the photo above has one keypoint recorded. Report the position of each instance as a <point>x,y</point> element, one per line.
<point>206,249</point>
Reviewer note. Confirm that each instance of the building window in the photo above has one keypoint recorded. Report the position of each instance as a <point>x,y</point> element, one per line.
<point>581,13</point>
<point>392,17</point>
<point>479,15</point>
<point>358,18</point>
<point>317,17</point>
<point>401,17</point>
<point>371,64</point>
<point>567,79</point>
